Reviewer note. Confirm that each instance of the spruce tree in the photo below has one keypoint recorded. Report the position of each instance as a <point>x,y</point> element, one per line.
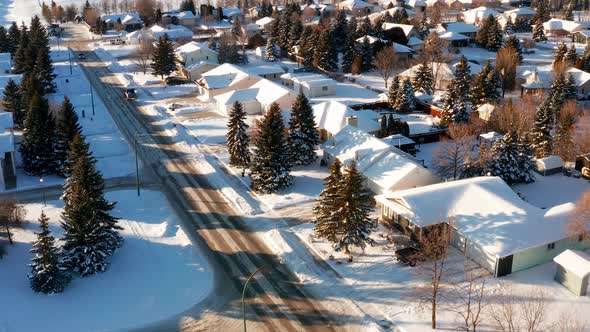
<point>303,136</point>
<point>509,160</point>
<point>392,94</point>
<point>571,56</point>
<point>44,72</point>
<point>539,32</point>
<point>560,52</point>
<point>4,42</point>
<point>571,90</point>
<point>352,28</point>
<point>365,28</point>
<point>509,26</point>
<point>355,204</point>
<point>479,91</point>
<point>407,101</point>
<point>392,125</point>
<point>270,165</point>
<point>284,29</point>
<point>454,109</point>
<point>513,42</point>
<point>12,102</point>
<point>23,60</point>
<point>164,59</point>
<point>270,50</point>
<point>47,276</point>
<point>423,81</point>
<point>462,81</point>
<point>340,29</point>
<point>542,141</point>
<point>494,34</point>
<point>307,47</point>
<point>366,53</point>
<point>585,61</point>
<point>13,38</point>
<point>325,55</point>
<point>349,54</point>
<point>67,127</point>
<point>481,37</point>
<point>383,130</point>
<point>296,32</point>
<point>37,147</point>
<point>326,217</point>
<point>237,138</point>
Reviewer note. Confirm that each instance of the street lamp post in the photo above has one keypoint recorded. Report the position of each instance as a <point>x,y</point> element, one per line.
<point>92,98</point>
<point>136,166</point>
<point>244,294</point>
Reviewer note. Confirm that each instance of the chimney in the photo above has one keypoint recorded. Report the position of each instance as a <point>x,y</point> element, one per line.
<point>352,121</point>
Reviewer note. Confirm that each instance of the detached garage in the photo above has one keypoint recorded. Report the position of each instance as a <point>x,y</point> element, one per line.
<point>573,270</point>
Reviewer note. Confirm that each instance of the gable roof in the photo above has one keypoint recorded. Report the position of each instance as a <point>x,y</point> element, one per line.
<point>574,261</point>
<point>444,70</point>
<point>558,24</point>
<point>223,76</point>
<point>478,14</point>
<point>355,4</point>
<point>331,116</point>
<point>407,28</point>
<point>191,47</point>
<point>264,91</point>
<point>460,27</point>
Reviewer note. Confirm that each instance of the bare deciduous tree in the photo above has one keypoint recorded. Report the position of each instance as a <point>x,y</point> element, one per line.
<point>11,215</point>
<point>454,154</point>
<point>143,55</point>
<point>434,246</point>
<point>506,62</point>
<point>520,312</point>
<point>433,52</point>
<point>471,302</point>
<point>518,116</point>
<point>385,62</point>
<point>579,224</point>
<point>568,322</point>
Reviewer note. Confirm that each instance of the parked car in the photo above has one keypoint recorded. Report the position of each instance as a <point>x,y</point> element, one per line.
<point>408,255</point>
<point>81,56</point>
<point>117,41</point>
<point>174,80</point>
<point>130,94</point>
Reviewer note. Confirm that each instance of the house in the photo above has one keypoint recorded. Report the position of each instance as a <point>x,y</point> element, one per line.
<point>537,82</point>
<point>256,99</point>
<point>582,80</point>
<point>408,29</point>
<point>333,116</point>
<point>401,142</point>
<point>489,138</point>
<point>418,5</point>
<point>127,21</point>
<point>402,52</point>
<point>371,39</point>
<point>478,15</point>
<point>356,7</point>
<point>522,13</point>
<point>488,222</point>
<point>232,13</point>
<point>559,27</point>
<point>384,167</point>
<point>265,23</point>
<point>176,33</point>
<point>443,74</point>
<point>415,43</point>
<point>573,270</point>
<point>312,85</point>
<point>196,70</point>
<point>224,78</point>
<point>485,111</point>
<point>270,72</point>
<point>185,18</point>
<point>7,152</point>
<point>581,37</point>
<point>193,52</point>
<point>454,39</point>
<point>549,165</point>
<point>462,28</point>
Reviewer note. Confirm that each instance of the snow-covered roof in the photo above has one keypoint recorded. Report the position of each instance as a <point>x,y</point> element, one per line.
<point>491,136</point>
<point>392,11</point>
<point>581,77</point>
<point>231,11</point>
<point>399,48</point>
<point>520,12</point>
<point>547,163</point>
<point>450,36</point>
<point>239,95</point>
<point>183,15</point>
<point>485,112</point>
<point>574,261</point>
<point>223,76</point>
<point>191,47</point>
<point>173,31</point>
<point>355,4</point>
<point>331,116</point>
<point>486,211</point>
<point>460,27</point>
<point>444,71</point>
<point>125,18</point>
<point>309,79</point>
<point>265,70</point>
<point>416,3</point>
<point>413,41</point>
<point>6,121</point>
<point>538,80</point>
<point>264,91</point>
<point>371,39</point>
<point>264,21</point>
<point>407,28</point>
<point>558,24</point>
<point>397,140</point>
<point>478,14</point>
<point>252,27</point>
<point>199,64</point>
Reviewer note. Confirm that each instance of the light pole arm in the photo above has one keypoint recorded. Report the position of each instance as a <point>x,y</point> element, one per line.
<point>244,294</point>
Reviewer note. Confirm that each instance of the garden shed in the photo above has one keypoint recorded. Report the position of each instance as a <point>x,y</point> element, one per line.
<point>573,270</point>
<point>549,165</point>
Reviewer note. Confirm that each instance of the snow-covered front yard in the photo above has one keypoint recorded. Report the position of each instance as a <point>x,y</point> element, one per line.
<point>156,274</point>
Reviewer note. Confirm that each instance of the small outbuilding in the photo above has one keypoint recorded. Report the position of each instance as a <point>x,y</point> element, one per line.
<point>573,269</point>
<point>549,165</point>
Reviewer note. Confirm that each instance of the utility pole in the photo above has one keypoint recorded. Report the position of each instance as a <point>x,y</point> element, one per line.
<point>92,98</point>
<point>137,166</point>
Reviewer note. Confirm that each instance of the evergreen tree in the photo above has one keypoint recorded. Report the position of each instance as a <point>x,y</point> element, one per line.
<point>383,130</point>
<point>303,136</point>
<point>407,101</point>
<point>270,165</point>
<point>394,89</point>
<point>270,50</point>
<point>37,147</point>
<point>539,33</point>
<point>542,141</point>
<point>47,276</point>
<point>509,26</point>
<point>513,42</point>
<point>492,83</point>
<point>14,37</point>
<point>326,220</point>
<point>571,56</point>
<point>560,52</point>
<point>349,54</point>
<point>585,61</point>
<point>355,204</point>
<point>454,109</point>
<point>365,28</point>
<point>237,138</point>
<point>479,91</point>
<point>543,12</point>
<point>188,5</point>
<point>481,37</point>
<point>366,53</point>
<point>90,232</point>
<point>307,50</point>
<point>571,91</point>
<point>4,42</point>
<point>283,32</point>
<point>494,34</point>
<point>392,125</point>
<point>12,102</point>
<point>352,28</point>
<point>295,32</point>
<point>44,72</point>
<point>423,81</point>
<point>23,60</point>
<point>340,29</point>
<point>164,59</point>
<point>462,81</point>
<point>509,161</point>
<point>67,127</point>
<point>325,55</point>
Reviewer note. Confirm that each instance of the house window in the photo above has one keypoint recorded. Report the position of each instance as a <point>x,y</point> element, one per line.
<point>324,88</point>
<point>551,246</point>
<point>580,237</point>
<point>207,57</point>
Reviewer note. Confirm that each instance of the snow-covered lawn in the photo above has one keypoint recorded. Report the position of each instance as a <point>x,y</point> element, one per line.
<point>426,152</point>
<point>548,191</point>
<point>156,274</point>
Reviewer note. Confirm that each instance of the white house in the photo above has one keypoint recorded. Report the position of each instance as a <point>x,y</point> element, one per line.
<point>384,167</point>
<point>7,152</point>
<point>196,70</point>
<point>176,33</point>
<point>193,52</point>
<point>357,7</point>
<point>256,99</point>
<point>443,74</point>
<point>271,72</point>
<point>312,85</point>
<point>489,222</point>
<point>224,78</point>
<point>462,28</point>
<point>128,21</point>
<point>559,27</point>
<point>478,15</point>
<point>185,18</point>
<point>331,116</point>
